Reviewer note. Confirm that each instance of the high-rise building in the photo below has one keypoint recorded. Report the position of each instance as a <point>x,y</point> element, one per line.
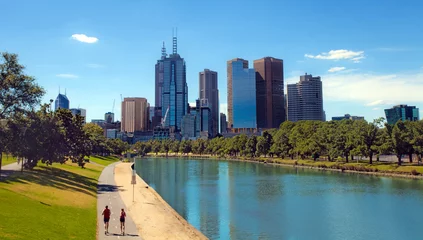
<point>269,92</point>
<point>402,112</point>
<point>109,117</point>
<point>347,116</point>
<point>174,99</point>
<point>62,101</point>
<point>159,80</point>
<point>209,90</point>
<point>79,111</point>
<point>134,115</point>
<point>241,94</point>
<point>223,123</point>
<point>305,99</point>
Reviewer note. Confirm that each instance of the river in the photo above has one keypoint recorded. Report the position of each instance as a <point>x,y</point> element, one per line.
<point>243,200</point>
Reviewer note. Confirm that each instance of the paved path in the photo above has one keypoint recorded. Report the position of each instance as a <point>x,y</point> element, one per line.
<point>108,194</point>
<point>9,169</point>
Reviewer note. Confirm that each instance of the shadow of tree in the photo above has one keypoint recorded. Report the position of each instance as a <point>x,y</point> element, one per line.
<point>105,188</point>
<point>57,178</point>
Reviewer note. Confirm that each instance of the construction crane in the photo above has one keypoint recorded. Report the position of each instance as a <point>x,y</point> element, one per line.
<point>164,119</point>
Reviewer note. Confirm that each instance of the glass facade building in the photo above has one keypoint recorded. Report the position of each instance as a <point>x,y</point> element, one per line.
<point>403,113</point>
<point>174,91</point>
<point>61,102</point>
<point>241,94</point>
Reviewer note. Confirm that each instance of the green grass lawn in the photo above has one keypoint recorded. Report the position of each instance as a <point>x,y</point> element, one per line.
<point>58,202</point>
<point>7,159</point>
<point>103,160</point>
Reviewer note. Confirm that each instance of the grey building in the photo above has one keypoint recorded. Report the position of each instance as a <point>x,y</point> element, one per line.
<point>159,80</point>
<point>208,83</point>
<point>189,127</point>
<point>347,116</point>
<point>241,94</point>
<point>79,111</point>
<point>305,99</point>
<point>223,123</point>
<point>109,117</point>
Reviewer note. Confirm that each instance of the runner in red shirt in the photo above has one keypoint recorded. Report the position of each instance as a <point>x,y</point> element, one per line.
<point>122,221</point>
<point>106,213</point>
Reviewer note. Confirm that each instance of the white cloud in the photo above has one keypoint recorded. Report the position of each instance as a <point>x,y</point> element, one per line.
<point>93,65</point>
<point>84,38</point>
<point>375,109</point>
<point>66,75</point>
<point>338,55</point>
<point>371,89</point>
<point>336,69</point>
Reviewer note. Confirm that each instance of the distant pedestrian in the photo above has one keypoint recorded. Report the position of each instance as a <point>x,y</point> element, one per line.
<point>106,213</point>
<point>122,221</point>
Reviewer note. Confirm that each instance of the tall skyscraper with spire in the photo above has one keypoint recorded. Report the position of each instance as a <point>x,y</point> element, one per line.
<point>62,101</point>
<point>156,119</point>
<point>171,87</point>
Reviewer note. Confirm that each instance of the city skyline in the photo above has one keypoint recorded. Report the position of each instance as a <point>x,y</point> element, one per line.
<point>85,49</point>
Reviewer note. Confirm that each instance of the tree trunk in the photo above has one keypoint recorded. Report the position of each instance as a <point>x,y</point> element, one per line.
<point>399,159</point>
<point>346,157</point>
<point>410,156</point>
<point>371,158</point>
<point>352,157</point>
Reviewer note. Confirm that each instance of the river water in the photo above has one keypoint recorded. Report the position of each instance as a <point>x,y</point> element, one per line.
<point>242,200</point>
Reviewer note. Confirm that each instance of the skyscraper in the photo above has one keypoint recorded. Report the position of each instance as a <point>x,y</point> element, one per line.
<point>109,117</point>
<point>175,89</point>
<point>241,94</point>
<point>269,92</point>
<point>62,101</point>
<point>79,111</point>
<point>223,123</point>
<point>209,90</point>
<point>159,79</point>
<point>305,99</point>
<point>402,112</point>
<point>134,115</point>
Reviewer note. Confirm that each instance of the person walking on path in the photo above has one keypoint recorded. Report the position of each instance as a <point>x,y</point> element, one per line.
<point>106,214</point>
<point>122,221</point>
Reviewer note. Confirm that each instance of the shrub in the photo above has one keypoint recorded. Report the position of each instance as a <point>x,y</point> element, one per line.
<point>296,163</point>
<point>414,172</point>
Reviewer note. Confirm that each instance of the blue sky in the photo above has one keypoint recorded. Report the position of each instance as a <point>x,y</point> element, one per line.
<point>368,53</point>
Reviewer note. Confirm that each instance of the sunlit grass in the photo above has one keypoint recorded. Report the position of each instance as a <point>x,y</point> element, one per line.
<point>103,160</point>
<point>7,159</point>
<point>57,202</point>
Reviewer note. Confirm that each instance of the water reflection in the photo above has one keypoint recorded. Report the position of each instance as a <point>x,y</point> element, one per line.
<point>240,200</point>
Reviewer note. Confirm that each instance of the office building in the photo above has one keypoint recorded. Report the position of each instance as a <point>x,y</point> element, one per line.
<point>189,127</point>
<point>223,123</point>
<point>208,84</point>
<point>174,95</point>
<point>402,112</point>
<point>62,101</point>
<point>269,92</point>
<point>305,99</point>
<point>159,80</point>
<point>241,94</point>
<point>79,111</point>
<point>111,133</point>
<point>205,119</point>
<point>109,117</point>
<point>347,116</point>
<point>134,115</point>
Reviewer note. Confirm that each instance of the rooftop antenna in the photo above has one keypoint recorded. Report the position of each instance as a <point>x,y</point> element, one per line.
<point>175,42</point>
<point>164,51</point>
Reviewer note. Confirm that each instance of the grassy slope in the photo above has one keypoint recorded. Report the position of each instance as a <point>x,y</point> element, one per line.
<point>7,159</point>
<point>56,202</point>
<point>103,160</point>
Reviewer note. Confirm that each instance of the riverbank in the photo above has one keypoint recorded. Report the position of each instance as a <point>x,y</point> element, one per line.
<point>154,217</point>
<point>375,169</point>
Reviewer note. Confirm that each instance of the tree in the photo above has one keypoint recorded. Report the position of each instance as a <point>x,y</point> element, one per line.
<point>19,93</point>
<point>165,145</point>
<point>175,147</point>
<point>417,141</point>
<point>156,146</point>
<point>369,136</point>
<point>401,139</point>
<point>250,147</point>
<point>185,146</point>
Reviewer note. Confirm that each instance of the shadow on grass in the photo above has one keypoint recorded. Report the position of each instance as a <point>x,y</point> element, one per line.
<point>53,177</point>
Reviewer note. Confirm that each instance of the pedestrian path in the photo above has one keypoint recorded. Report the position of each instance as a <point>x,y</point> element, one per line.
<point>108,194</point>
<point>9,169</point>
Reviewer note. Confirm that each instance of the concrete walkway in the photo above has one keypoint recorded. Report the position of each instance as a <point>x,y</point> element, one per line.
<point>108,194</point>
<point>9,169</point>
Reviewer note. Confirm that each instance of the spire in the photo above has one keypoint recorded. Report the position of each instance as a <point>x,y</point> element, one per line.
<point>59,89</point>
<point>164,51</point>
<point>175,42</point>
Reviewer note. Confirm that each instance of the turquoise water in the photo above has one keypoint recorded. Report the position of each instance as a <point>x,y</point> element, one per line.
<point>241,200</point>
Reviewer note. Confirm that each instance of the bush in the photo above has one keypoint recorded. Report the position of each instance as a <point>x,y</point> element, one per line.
<point>414,172</point>
<point>296,163</point>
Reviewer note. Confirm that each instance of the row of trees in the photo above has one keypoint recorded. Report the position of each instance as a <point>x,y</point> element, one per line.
<point>309,139</point>
<point>34,132</point>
